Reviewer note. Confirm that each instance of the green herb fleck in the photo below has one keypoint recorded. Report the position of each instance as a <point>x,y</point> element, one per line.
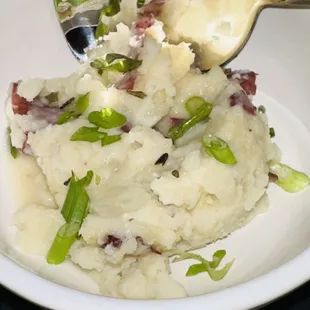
<point>52,98</point>
<point>272,132</point>
<point>139,94</point>
<point>107,118</point>
<point>67,182</point>
<point>289,179</point>
<point>97,179</point>
<point>175,173</point>
<point>262,109</point>
<point>13,149</point>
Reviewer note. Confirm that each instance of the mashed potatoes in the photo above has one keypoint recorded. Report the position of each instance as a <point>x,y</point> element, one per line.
<point>150,194</point>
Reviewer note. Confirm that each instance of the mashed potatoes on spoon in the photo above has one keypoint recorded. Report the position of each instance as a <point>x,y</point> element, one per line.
<point>145,157</point>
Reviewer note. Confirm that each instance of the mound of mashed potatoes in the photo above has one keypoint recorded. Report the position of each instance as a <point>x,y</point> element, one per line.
<point>150,193</point>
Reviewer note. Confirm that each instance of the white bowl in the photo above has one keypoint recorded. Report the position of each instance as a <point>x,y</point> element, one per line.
<point>272,255</point>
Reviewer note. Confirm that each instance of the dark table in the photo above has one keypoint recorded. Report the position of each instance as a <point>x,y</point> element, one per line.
<point>297,300</point>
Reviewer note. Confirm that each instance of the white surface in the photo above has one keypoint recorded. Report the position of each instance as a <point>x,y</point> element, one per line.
<point>269,248</point>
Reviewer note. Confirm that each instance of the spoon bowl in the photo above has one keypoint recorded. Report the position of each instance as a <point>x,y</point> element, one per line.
<point>249,27</point>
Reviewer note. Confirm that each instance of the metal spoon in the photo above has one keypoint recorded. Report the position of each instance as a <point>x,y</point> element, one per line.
<point>79,29</point>
<point>288,4</point>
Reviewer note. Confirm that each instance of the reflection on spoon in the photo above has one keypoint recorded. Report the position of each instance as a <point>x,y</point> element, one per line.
<point>218,30</point>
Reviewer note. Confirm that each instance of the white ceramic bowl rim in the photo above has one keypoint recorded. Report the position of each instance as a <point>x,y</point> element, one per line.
<point>243,296</point>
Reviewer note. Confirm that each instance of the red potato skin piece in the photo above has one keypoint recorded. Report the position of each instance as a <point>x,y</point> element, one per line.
<point>247,81</point>
<point>272,177</point>
<point>241,98</point>
<point>115,242</point>
<point>19,104</point>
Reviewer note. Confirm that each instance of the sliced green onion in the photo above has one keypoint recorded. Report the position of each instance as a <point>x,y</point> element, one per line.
<point>112,8</point>
<point>123,66</point>
<point>202,113</point>
<point>97,179</point>
<point>56,3</point>
<point>101,30</point>
<point>219,149</point>
<point>272,132</point>
<point>140,3</point>
<point>76,202</point>
<point>87,179</point>
<point>289,179</point>
<point>110,139</point>
<point>206,266</point>
<point>193,104</point>
<point>217,258</point>
<point>262,109</point>
<point>139,94</point>
<point>108,10</point>
<point>63,241</point>
<point>76,2</point>
<point>78,108</point>
<point>52,98</point>
<point>74,211</point>
<point>13,149</point>
<point>107,118</point>
<point>88,134</point>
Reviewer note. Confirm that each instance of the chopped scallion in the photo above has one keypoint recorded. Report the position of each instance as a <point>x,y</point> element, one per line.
<point>272,132</point>
<point>65,237</point>
<point>193,104</point>
<point>262,109</point>
<point>13,149</point>
<point>88,134</point>
<point>107,118</point>
<point>289,179</point>
<point>124,65</point>
<point>110,9</point>
<point>219,149</point>
<point>202,113</point>
<point>78,108</point>
<point>206,266</point>
<point>140,3</point>
<point>74,211</point>
<point>101,30</point>
<point>97,179</point>
<point>76,2</point>
<point>110,139</point>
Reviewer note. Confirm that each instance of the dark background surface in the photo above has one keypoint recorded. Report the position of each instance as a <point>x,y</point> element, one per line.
<point>297,300</point>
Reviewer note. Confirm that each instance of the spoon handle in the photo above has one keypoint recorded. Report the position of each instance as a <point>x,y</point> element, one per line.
<point>296,4</point>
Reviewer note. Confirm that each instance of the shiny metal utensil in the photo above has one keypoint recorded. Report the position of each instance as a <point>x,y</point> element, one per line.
<point>79,29</point>
<point>288,4</point>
